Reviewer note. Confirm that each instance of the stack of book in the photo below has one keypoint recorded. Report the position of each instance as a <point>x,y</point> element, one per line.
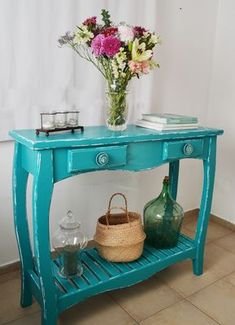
<point>165,122</point>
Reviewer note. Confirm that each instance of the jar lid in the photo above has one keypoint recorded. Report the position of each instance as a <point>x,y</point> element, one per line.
<point>69,222</point>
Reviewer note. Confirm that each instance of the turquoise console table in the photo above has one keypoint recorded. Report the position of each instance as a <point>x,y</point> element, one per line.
<point>54,158</point>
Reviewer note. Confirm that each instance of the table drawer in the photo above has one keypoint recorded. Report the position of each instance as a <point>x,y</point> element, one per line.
<point>96,158</point>
<point>183,149</point>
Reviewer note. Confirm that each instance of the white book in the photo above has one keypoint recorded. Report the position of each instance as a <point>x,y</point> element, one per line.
<point>163,126</point>
<point>168,118</point>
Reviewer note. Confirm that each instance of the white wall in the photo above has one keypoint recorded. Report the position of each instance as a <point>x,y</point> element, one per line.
<point>187,29</point>
<point>181,85</point>
<point>222,107</point>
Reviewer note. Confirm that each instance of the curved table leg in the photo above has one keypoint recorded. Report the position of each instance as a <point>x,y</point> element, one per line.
<point>19,185</point>
<point>42,192</point>
<point>205,207</point>
<point>173,175</point>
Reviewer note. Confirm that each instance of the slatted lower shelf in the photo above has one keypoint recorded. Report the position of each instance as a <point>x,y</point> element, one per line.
<point>100,275</point>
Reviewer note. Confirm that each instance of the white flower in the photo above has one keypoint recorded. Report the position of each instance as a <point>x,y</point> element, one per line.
<point>139,52</point>
<point>154,39</point>
<point>126,33</point>
<point>82,35</point>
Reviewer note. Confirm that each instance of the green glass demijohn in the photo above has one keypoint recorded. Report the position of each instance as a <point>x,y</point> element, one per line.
<point>163,218</point>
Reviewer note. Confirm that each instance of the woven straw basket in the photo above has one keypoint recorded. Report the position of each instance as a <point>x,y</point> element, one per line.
<point>119,237</point>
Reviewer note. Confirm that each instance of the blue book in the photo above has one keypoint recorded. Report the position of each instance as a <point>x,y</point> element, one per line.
<point>166,118</point>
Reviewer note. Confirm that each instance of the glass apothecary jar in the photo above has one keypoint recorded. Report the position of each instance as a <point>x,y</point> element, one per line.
<point>163,218</point>
<point>68,241</point>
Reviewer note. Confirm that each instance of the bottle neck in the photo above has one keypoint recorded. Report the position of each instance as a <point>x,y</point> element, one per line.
<point>165,189</point>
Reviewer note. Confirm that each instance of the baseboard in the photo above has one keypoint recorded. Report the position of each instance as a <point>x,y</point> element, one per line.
<point>213,218</point>
<point>222,222</point>
<point>11,267</point>
<point>191,213</point>
<point>15,266</point>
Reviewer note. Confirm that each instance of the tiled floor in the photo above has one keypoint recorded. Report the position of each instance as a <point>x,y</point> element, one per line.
<point>172,297</point>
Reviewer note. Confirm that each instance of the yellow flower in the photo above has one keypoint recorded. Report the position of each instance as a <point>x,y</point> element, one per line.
<point>139,52</point>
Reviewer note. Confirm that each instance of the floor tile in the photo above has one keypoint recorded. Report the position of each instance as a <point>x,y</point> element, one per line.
<point>33,319</point>
<point>218,301</point>
<point>99,310</point>
<point>182,313</point>
<point>227,242</point>
<point>9,276</point>
<point>180,277</point>
<point>146,298</point>
<point>230,278</point>
<point>218,263</point>
<point>214,232</point>
<point>187,232</point>
<point>190,217</point>
<point>10,301</point>
<point>219,260</point>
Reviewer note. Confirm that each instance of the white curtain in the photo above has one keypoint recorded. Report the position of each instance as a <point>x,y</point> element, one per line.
<point>36,75</point>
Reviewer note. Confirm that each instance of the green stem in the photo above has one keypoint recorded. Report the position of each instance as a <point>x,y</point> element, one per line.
<point>117,107</point>
<point>87,57</point>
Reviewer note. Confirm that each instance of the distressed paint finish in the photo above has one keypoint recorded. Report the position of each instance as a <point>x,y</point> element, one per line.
<point>114,276</point>
<point>99,135</point>
<point>174,175</point>
<point>205,207</point>
<point>42,191</point>
<point>19,185</point>
<point>54,158</point>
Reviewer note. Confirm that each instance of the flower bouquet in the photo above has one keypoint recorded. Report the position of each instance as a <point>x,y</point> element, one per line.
<point>120,52</point>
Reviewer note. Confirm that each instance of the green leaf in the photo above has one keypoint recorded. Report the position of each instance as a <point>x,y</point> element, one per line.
<point>106,18</point>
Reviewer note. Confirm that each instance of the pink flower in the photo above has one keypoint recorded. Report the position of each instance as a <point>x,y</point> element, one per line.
<point>111,45</point>
<point>126,32</point>
<point>139,67</point>
<point>90,21</point>
<point>145,67</point>
<point>134,66</point>
<point>97,45</point>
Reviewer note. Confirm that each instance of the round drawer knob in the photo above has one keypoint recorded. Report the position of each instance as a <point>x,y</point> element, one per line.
<point>102,159</point>
<point>188,149</point>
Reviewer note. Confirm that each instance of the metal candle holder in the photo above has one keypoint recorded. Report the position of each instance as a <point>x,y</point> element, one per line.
<point>59,121</point>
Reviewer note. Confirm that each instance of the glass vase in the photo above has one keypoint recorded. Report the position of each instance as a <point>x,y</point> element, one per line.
<point>163,218</point>
<point>117,109</point>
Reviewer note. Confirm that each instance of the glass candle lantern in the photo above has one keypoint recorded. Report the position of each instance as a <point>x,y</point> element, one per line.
<point>48,121</point>
<point>68,241</point>
<point>61,119</point>
<point>72,118</point>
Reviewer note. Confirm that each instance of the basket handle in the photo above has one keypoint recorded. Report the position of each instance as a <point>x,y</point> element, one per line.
<point>121,208</point>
